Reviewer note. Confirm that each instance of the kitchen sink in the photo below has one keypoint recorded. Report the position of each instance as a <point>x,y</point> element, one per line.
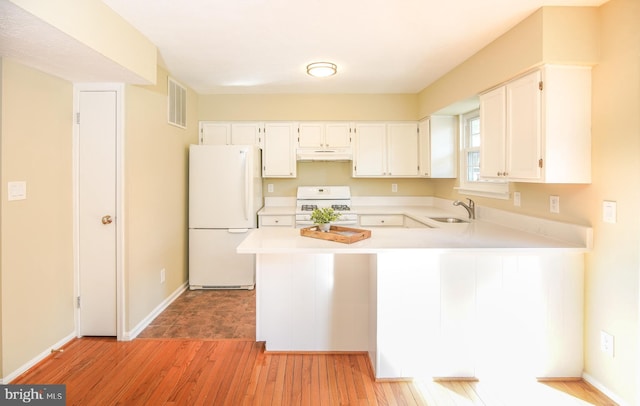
<point>448,219</point>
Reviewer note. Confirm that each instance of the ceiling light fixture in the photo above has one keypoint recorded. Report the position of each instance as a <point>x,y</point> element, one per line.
<point>322,69</point>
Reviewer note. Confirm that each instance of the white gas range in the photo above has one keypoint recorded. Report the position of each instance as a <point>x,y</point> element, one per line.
<point>309,198</point>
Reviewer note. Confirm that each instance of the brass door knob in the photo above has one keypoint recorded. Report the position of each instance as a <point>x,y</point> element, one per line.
<point>107,219</point>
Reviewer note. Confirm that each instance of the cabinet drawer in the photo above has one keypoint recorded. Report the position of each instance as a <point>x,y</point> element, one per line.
<point>276,221</point>
<point>382,220</point>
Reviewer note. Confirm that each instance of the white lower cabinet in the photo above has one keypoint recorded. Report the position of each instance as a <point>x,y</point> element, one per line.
<point>377,220</point>
<point>423,313</point>
<point>468,315</point>
<point>276,221</point>
<point>312,302</point>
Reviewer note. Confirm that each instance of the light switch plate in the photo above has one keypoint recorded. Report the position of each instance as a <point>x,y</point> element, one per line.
<point>609,212</point>
<point>17,190</point>
<point>516,198</point>
<point>270,187</point>
<point>394,187</point>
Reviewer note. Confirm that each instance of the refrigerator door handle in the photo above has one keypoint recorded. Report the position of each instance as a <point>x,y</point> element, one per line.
<point>237,230</point>
<point>247,179</point>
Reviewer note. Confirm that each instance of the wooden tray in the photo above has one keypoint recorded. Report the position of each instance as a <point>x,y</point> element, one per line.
<point>344,235</point>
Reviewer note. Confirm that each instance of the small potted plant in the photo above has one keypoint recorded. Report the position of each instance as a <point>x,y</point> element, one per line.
<point>323,217</point>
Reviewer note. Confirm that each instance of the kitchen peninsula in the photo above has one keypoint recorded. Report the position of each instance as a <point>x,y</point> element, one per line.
<point>447,300</point>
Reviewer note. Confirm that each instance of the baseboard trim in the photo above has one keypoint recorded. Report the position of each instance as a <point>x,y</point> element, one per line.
<point>599,386</point>
<point>38,358</point>
<point>130,335</point>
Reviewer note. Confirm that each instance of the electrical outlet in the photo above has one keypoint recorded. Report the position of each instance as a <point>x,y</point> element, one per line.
<point>554,204</point>
<point>394,187</point>
<point>606,343</point>
<point>162,275</point>
<point>270,187</point>
<point>516,198</point>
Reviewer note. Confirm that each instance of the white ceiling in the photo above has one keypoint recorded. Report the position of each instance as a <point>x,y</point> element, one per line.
<point>263,46</point>
<point>35,43</point>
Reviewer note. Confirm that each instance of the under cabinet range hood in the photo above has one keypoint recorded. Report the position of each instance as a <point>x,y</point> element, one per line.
<point>339,154</point>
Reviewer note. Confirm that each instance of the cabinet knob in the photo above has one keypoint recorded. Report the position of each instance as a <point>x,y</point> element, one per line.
<point>499,173</point>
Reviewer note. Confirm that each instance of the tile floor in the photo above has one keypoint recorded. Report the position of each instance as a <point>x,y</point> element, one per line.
<point>207,314</point>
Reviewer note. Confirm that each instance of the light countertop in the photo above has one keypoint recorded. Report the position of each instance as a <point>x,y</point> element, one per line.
<point>492,230</point>
<point>476,235</point>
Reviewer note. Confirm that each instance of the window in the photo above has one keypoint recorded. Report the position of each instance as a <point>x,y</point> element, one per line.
<point>177,104</point>
<point>470,181</point>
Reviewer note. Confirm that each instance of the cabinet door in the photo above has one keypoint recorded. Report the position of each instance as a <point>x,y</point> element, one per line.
<point>247,134</point>
<point>370,150</point>
<point>215,133</point>
<point>337,135</point>
<point>278,155</point>
<point>443,147</point>
<point>424,147</point>
<point>276,221</point>
<point>311,135</point>
<point>523,128</point>
<point>390,220</point>
<point>402,139</point>
<point>493,133</point>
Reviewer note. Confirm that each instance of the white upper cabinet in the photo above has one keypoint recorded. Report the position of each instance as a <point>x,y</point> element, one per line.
<point>402,149</point>
<point>231,133</point>
<point>370,152</point>
<point>493,130</point>
<point>537,128</point>
<point>247,133</point>
<point>324,135</point>
<point>279,153</point>
<point>437,142</point>
<point>386,150</point>
<point>213,133</point>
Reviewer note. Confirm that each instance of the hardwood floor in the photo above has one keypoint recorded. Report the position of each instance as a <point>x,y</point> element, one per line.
<point>102,371</point>
<point>185,366</point>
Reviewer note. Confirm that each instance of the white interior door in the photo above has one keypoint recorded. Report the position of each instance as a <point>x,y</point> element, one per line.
<point>97,134</point>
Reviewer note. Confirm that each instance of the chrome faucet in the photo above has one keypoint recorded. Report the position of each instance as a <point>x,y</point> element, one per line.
<point>471,207</point>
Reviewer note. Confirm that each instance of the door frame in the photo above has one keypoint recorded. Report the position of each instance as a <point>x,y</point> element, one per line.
<point>119,215</point>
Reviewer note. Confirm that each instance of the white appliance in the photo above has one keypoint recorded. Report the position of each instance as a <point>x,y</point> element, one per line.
<point>309,198</point>
<point>225,194</point>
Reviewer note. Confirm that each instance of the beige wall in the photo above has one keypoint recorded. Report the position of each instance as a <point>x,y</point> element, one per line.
<point>308,107</point>
<point>36,267</point>
<point>156,164</point>
<point>612,278</point>
<point>339,173</point>
<point>551,35</point>
<point>568,35</point>
<point>36,234</point>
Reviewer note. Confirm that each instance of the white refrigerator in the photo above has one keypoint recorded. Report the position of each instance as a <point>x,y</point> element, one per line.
<point>225,194</point>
